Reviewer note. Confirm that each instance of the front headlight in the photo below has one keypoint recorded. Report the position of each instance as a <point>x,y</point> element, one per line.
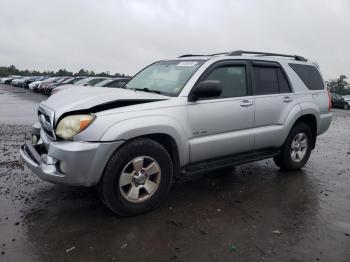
<point>69,126</point>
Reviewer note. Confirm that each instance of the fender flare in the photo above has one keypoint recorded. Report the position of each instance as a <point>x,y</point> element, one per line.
<point>148,125</point>
<point>305,108</point>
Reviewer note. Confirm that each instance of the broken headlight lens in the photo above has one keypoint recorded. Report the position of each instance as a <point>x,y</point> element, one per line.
<point>69,126</point>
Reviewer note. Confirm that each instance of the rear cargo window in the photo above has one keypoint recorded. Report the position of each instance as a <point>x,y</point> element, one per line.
<point>310,76</point>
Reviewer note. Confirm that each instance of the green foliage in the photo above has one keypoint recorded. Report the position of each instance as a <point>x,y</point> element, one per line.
<point>339,85</point>
<point>12,70</point>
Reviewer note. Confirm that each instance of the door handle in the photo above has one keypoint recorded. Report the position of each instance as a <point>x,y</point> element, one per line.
<point>246,103</point>
<point>287,99</point>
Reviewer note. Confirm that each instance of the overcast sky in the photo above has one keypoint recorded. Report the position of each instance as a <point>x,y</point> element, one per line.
<point>126,35</point>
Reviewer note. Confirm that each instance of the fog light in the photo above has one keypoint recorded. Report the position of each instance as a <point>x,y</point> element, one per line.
<point>35,139</point>
<point>63,167</point>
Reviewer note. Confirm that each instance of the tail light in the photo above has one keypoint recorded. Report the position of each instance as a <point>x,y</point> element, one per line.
<point>329,101</point>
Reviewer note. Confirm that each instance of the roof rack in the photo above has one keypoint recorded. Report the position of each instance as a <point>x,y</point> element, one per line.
<point>189,55</point>
<point>241,52</point>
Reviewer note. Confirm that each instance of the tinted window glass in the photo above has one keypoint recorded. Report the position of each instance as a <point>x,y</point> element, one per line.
<point>265,80</point>
<point>282,81</point>
<point>117,83</point>
<point>232,78</point>
<point>310,76</point>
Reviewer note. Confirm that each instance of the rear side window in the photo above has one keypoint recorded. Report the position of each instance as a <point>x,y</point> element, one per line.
<point>269,80</point>
<point>310,76</point>
<point>265,80</point>
<point>233,80</point>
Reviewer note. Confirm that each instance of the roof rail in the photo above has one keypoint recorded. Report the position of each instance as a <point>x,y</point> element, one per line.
<point>241,52</point>
<point>189,55</point>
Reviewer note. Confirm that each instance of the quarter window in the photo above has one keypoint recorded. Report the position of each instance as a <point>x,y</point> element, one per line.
<point>233,80</point>
<point>282,81</point>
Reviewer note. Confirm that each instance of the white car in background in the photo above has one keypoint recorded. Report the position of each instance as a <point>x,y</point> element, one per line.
<point>8,79</point>
<point>35,84</point>
<point>347,98</point>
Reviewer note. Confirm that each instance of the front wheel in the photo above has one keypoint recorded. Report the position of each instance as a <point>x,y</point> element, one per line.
<point>137,177</point>
<point>296,150</point>
<point>346,106</point>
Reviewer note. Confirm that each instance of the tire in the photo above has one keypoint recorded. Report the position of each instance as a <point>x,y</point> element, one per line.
<point>287,160</point>
<point>346,106</point>
<point>120,198</point>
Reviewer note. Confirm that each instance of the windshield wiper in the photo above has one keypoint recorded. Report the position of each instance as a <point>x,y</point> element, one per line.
<point>147,90</point>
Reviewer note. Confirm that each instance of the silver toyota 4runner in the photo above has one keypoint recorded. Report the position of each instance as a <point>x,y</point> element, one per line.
<point>186,115</point>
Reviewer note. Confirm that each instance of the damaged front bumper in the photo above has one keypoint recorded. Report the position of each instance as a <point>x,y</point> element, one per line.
<point>67,162</point>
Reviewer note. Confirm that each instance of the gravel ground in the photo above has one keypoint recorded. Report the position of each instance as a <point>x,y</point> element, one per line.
<point>249,213</point>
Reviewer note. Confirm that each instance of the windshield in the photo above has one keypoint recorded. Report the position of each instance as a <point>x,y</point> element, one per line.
<point>60,80</point>
<point>72,80</point>
<point>82,81</point>
<point>104,82</point>
<point>50,79</point>
<point>164,77</point>
<point>94,81</point>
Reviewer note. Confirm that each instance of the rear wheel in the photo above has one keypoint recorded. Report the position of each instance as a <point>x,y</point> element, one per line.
<point>137,177</point>
<point>346,106</point>
<point>296,150</point>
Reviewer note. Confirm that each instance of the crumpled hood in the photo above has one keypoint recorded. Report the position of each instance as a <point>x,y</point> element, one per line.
<point>84,98</point>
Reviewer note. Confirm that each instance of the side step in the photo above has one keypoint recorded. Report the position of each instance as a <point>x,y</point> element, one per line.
<point>233,160</point>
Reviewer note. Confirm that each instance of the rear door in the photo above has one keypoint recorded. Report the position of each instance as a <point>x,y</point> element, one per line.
<point>273,102</point>
<point>223,126</point>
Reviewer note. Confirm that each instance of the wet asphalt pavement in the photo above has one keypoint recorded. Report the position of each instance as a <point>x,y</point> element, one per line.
<point>249,213</point>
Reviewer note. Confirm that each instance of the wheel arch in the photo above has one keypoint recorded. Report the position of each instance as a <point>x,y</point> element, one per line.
<point>311,121</point>
<point>164,130</point>
<point>170,145</point>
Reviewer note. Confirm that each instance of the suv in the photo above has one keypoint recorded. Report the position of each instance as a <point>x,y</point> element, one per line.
<point>180,116</point>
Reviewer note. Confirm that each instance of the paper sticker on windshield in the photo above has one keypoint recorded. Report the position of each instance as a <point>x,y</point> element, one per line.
<point>187,63</point>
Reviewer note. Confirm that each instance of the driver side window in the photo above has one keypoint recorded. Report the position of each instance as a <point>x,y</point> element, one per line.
<point>233,80</point>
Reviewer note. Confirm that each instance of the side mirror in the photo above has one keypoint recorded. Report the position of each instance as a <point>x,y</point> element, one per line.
<point>206,89</point>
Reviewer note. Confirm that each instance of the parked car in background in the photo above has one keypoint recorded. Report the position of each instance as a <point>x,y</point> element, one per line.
<point>14,82</point>
<point>339,101</point>
<point>35,84</point>
<point>42,88</point>
<point>68,81</point>
<point>19,81</point>
<point>89,81</point>
<point>113,82</point>
<point>35,87</point>
<point>7,80</point>
<point>347,98</point>
<point>33,79</point>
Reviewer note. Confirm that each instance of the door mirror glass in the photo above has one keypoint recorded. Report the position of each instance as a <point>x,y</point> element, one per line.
<point>206,89</point>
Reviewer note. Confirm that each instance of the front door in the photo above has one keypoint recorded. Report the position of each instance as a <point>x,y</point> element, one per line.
<point>222,126</point>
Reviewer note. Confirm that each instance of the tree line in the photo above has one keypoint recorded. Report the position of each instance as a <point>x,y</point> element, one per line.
<point>339,85</point>
<point>12,70</point>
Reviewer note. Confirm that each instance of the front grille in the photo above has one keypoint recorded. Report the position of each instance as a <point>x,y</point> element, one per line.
<point>46,119</point>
